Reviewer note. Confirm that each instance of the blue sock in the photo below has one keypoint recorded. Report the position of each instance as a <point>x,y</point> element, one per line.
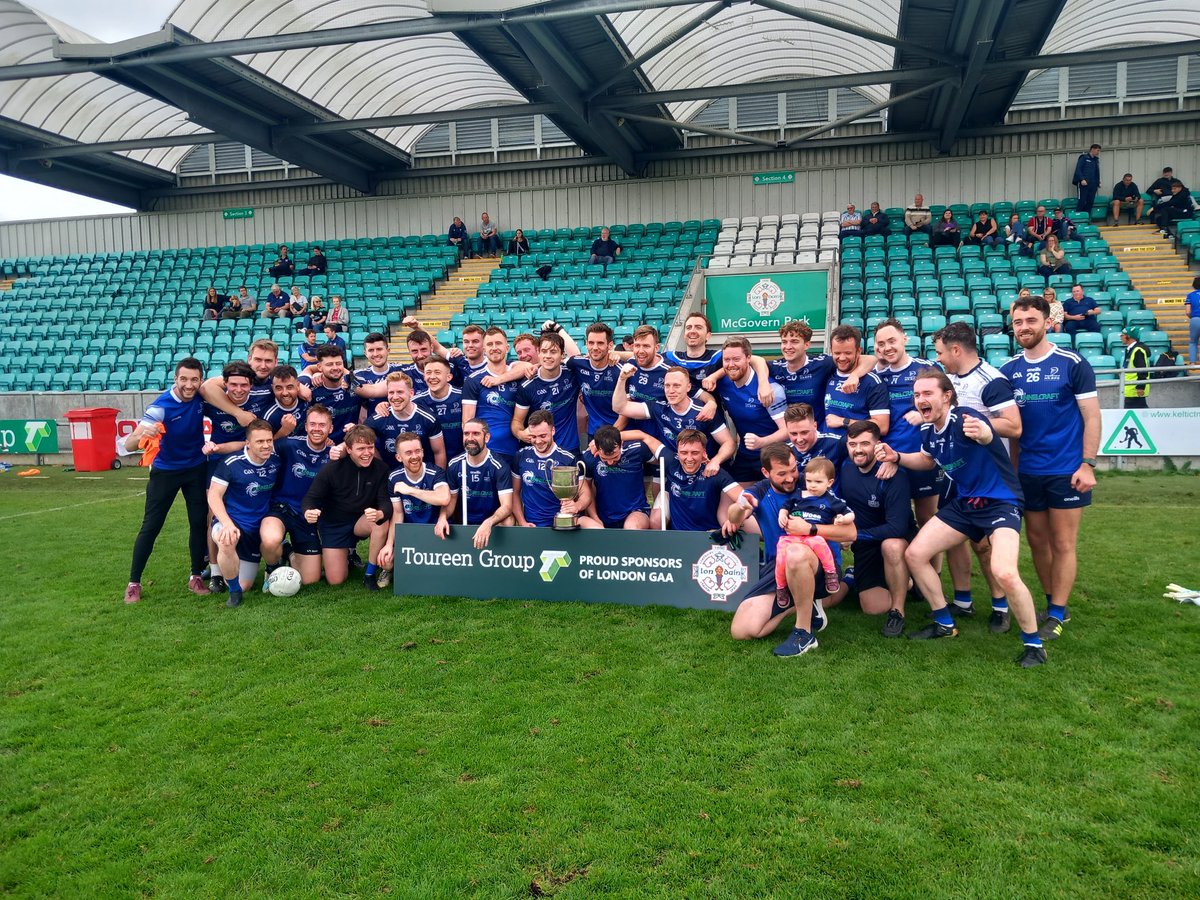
<point>1031,639</point>
<point>942,617</point>
<point>848,577</point>
<point>372,568</point>
<point>1000,604</point>
<point>962,598</point>
<point>1057,612</point>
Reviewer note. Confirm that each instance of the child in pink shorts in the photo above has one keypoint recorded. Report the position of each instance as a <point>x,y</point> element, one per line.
<point>816,505</point>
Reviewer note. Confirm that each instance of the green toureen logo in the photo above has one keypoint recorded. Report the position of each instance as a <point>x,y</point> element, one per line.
<point>553,561</point>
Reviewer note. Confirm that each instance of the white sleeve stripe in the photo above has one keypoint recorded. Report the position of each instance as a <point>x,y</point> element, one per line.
<point>1005,405</point>
<point>507,491</point>
<point>216,480</point>
<point>1086,396</point>
<point>881,412</point>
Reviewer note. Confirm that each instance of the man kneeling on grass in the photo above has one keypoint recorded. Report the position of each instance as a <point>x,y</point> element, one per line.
<point>240,497</point>
<point>349,501</point>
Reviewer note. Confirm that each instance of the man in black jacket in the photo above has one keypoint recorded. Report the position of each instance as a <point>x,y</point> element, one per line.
<point>348,501</point>
<point>317,264</point>
<point>1177,205</point>
<point>284,266</point>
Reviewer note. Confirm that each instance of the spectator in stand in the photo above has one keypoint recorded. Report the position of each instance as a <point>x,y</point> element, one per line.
<point>233,308</point>
<point>339,316</point>
<point>519,245</point>
<point>946,232</point>
<point>307,352</point>
<point>850,223</point>
<point>489,236</point>
<point>333,339</point>
<point>283,266</point>
<point>316,314</point>
<point>984,231</point>
<point>604,250</point>
<point>1126,195</point>
<point>1064,228</point>
<point>1160,188</point>
<point>277,303</point>
<point>1053,259</point>
<point>875,221</point>
<point>1080,313</point>
<point>297,307</point>
<point>1177,205</point>
<point>1192,302</point>
<point>214,303</point>
<point>317,264</point>
<point>918,217</point>
<point>457,237</point>
<point>1014,233</point>
<point>1055,321</point>
<point>1087,179</point>
<point>1037,229</point>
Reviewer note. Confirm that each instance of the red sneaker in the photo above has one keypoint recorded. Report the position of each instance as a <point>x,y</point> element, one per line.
<point>133,593</point>
<point>197,586</point>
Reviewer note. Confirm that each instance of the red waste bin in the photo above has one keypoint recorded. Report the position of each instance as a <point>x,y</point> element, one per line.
<point>94,438</point>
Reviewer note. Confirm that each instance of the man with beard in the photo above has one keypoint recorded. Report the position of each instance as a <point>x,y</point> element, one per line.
<point>287,412</point>
<point>404,416</point>
<point>479,481</point>
<point>868,401</point>
<point>756,424</point>
<point>674,413</point>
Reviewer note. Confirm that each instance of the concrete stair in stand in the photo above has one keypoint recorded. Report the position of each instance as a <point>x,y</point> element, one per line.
<point>446,299</point>
<point>1158,271</point>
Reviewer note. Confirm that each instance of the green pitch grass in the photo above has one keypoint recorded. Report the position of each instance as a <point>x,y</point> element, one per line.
<point>346,744</point>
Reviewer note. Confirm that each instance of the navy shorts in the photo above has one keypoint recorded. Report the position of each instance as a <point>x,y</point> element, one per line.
<point>925,483</point>
<point>304,537</point>
<point>766,585</point>
<point>1044,492</point>
<point>249,545</point>
<point>868,564</point>
<point>620,523</point>
<point>744,469</point>
<point>979,521</point>
<point>337,535</point>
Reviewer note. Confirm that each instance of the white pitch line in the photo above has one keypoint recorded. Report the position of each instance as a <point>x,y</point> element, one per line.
<point>38,512</point>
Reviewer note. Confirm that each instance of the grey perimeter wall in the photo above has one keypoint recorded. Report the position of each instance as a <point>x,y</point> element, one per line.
<point>1015,166</point>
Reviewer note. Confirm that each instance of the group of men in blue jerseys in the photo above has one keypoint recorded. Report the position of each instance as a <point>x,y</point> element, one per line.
<point>934,460</point>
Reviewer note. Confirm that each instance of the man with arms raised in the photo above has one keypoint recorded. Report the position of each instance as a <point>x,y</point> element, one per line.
<point>404,416</point>
<point>419,493</point>
<point>239,497</point>
<point>978,385</point>
<point>676,412</point>
<point>301,457</point>
<point>226,438</point>
<point>479,481</point>
<point>552,389</point>
<point>444,401</point>
<point>348,501</point>
<point>463,363</point>
<point>755,423</point>
<point>534,503</point>
<point>614,480</point>
<point>178,416</point>
<point>597,376</point>
<point>868,401</point>
<point>331,386</point>
<point>765,607</point>
<point>987,504</point>
<point>1056,454</point>
<point>692,499</point>
<point>884,519</point>
<point>375,349</point>
<point>263,358</point>
<point>495,401</point>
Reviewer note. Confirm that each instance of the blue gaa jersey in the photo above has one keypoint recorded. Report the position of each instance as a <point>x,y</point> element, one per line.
<point>899,383</point>
<point>486,483</point>
<point>871,399</point>
<point>275,413</point>
<point>977,471</point>
<point>619,489</point>
<point>495,406</point>
<point>420,422</point>
<point>248,488</point>
<point>461,369</point>
<point>669,422</point>
<point>448,412</point>
<point>299,464</point>
<point>182,442</point>
<point>882,507</point>
<point>370,376</point>
<point>693,500</point>
<point>261,396</point>
<point>807,383</point>
<point>748,414</point>
<point>816,510</point>
<point>770,502</point>
<point>416,512</point>
<point>537,500</point>
<point>646,386</point>
<point>418,379</point>
<point>341,402</point>
<point>225,429</point>
<point>557,396</point>
<point>830,446</point>
<point>698,367</point>
<point>596,386</point>
<point>1048,390</point>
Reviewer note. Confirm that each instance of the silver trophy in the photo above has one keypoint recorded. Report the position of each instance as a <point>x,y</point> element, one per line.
<point>564,484</point>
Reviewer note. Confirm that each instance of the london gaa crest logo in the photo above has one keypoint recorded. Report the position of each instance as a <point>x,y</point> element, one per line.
<point>765,297</point>
<point>719,573</point>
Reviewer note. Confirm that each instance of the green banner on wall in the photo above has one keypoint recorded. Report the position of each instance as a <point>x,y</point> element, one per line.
<point>28,436</point>
<point>635,568</point>
<point>764,302</point>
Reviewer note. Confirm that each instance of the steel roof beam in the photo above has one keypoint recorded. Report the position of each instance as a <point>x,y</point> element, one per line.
<point>691,126</point>
<point>842,25</point>
<point>870,110</point>
<point>173,140</point>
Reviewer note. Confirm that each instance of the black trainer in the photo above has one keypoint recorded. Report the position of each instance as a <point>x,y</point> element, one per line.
<point>965,612</point>
<point>1032,656</point>
<point>932,631</point>
<point>355,560</point>
<point>999,621</point>
<point>1051,629</point>
<point>217,585</point>
<point>371,582</point>
<point>234,600</point>
<point>1044,615</point>
<point>894,626</point>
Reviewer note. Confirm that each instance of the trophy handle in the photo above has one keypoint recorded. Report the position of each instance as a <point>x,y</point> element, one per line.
<point>582,470</point>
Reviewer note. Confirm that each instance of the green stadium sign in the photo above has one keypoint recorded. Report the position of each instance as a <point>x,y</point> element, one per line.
<point>761,178</point>
<point>747,303</point>
<point>28,436</point>
<point>635,568</point>
<point>243,213</point>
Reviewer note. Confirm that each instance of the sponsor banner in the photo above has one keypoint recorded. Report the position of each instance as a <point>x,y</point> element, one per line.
<point>762,301</point>
<point>635,568</point>
<point>28,436</point>
<point>1150,432</point>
